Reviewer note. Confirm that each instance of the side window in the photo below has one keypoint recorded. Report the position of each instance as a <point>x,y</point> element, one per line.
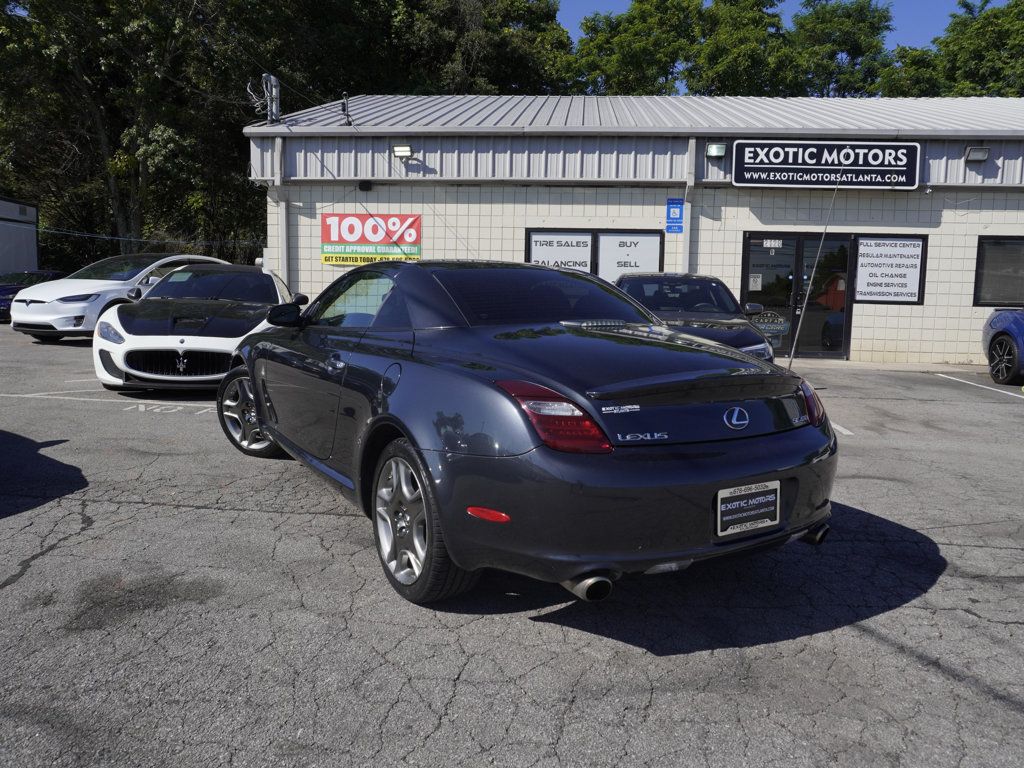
<point>355,304</point>
<point>163,269</point>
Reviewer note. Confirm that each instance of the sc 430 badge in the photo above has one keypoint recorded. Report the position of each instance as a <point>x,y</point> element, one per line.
<point>637,436</point>
<point>620,408</point>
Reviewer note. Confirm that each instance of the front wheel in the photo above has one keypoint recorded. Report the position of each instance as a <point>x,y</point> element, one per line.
<point>407,529</point>
<point>236,411</point>
<point>1004,361</point>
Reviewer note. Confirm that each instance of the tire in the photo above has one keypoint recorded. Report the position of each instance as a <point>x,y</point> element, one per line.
<point>236,412</point>
<point>407,530</point>
<point>1004,361</point>
<point>46,339</point>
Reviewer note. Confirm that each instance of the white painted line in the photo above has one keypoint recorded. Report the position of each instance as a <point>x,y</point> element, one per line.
<point>79,381</point>
<point>60,392</point>
<point>125,401</point>
<point>841,430</point>
<point>973,384</point>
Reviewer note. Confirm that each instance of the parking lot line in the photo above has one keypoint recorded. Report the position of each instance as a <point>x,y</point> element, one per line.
<point>841,430</point>
<point>973,384</point>
<point>125,401</point>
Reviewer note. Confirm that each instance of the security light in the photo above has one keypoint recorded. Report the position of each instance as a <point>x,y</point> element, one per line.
<point>977,154</point>
<point>715,150</point>
<point>401,151</point>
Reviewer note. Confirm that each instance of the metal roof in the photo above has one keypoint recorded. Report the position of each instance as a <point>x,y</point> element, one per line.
<point>675,115</point>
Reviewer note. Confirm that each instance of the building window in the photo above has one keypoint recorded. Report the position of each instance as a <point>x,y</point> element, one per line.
<point>999,279</point>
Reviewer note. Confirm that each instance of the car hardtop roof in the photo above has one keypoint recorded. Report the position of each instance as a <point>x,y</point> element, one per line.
<point>453,264</point>
<point>673,275</point>
<point>207,266</point>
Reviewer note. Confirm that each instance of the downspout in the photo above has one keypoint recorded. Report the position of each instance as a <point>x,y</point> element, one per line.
<point>691,177</point>
<point>282,212</point>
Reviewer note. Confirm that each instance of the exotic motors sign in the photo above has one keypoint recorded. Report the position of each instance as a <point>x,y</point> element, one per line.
<point>347,239</point>
<point>890,270</point>
<point>825,164</point>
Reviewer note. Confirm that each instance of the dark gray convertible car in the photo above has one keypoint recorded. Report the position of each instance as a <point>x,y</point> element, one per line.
<point>488,415</point>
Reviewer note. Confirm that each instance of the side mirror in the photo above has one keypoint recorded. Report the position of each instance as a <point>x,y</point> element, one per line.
<point>134,294</point>
<point>750,308</point>
<point>300,299</point>
<point>285,315</point>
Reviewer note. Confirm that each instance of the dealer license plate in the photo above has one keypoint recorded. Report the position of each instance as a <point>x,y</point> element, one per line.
<point>747,508</point>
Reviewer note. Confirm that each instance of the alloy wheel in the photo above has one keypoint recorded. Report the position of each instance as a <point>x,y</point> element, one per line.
<point>239,408</point>
<point>401,521</point>
<point>1002,359</point>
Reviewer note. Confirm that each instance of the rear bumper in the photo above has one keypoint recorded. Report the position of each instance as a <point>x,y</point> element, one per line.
<point>628,511</point>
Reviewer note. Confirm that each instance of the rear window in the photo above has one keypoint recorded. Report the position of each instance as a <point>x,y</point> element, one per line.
<point>661,294</point>
<point>255,287</point>
<point>519,296</point>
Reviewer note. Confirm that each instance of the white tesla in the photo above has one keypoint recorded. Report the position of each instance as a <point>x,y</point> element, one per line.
<point>70,306</point>
<point>183,333</point>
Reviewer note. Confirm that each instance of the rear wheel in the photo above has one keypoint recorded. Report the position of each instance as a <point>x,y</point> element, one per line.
<point>1004,361</point>
<point>46,339</point>
<point>407,529</point>
<point>236,411</point>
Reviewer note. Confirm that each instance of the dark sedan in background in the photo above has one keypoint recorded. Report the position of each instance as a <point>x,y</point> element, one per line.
<point>535,420</point>
<point>700,305</point>
<point>12,282</point>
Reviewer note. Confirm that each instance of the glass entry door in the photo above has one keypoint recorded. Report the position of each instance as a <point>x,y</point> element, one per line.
<point>777,273</point>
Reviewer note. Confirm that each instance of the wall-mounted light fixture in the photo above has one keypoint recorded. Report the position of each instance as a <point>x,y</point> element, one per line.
<point>401,151</point>
<point>976,154</point>
<point>716,149</point>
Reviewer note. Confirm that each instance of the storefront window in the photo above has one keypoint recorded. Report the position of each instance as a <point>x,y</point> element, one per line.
<point>999,279</point>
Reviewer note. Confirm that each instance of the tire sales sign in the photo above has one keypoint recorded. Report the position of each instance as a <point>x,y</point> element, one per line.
<point>350,239</point>
<point>825,164</point>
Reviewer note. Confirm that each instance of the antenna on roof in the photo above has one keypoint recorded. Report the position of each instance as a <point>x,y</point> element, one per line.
<point>344,109</point>
<point>269,101</point>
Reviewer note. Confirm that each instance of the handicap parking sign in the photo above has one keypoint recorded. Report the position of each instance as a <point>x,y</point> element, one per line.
<point>674,215</point>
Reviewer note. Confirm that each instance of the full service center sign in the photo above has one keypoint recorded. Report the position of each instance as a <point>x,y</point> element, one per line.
<point>890,270</point>
<point>825,164</point>
<point>349,239</point>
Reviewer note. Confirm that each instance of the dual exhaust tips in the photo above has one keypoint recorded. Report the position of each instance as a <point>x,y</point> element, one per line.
<point>594,587</point>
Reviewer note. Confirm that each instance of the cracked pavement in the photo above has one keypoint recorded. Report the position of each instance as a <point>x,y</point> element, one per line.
<point>167,601</point>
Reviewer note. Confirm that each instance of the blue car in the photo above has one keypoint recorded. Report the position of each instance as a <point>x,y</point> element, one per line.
<point>1003,339</point>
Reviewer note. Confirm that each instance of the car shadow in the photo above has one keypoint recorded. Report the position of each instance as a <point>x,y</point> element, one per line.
<point>868,566</point>
<point>30,477</point>
<point>171,395</point>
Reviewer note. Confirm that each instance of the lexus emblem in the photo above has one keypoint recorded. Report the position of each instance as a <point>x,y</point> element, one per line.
<point>736,418</point>
<point>181,362</point>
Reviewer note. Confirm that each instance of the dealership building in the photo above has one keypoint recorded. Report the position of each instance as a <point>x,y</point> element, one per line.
<point>898,223</point>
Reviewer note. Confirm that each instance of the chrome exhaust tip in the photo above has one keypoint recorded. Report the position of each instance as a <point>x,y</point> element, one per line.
<point>816,535</point>
<point>591,589</point>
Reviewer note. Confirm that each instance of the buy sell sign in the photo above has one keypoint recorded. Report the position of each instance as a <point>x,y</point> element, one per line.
<point>348,239</point>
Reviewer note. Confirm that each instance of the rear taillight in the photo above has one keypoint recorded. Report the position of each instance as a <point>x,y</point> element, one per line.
<point>815,410</point>
<point>560,424</point>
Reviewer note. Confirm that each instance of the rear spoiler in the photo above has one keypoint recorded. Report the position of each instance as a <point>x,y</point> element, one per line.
<point>724,386</point>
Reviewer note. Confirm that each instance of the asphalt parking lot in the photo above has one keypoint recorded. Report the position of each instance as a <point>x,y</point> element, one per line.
<point>165,600</point>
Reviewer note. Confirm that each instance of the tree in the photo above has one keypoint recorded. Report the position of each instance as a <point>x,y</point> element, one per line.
<point>913,72</point>
<point>743,51</point>
<point>840,46</point>
<point>639,52</point>
<point>982,50</point>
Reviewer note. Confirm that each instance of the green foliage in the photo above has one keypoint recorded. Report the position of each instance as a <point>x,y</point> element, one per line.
<point>743,50</point>
<point>639,52</point>
<point>840,46</point>
<point>982,51</point>
<point>913,72</point>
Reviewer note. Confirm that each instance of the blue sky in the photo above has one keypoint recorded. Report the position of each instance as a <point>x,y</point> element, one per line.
<point>916,21</point>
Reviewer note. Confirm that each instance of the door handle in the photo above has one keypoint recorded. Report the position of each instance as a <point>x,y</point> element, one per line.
<point>335,361</point>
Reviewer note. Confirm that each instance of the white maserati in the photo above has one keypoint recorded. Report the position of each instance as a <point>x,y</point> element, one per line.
<point>70,306</point>
<point>183,333</point>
